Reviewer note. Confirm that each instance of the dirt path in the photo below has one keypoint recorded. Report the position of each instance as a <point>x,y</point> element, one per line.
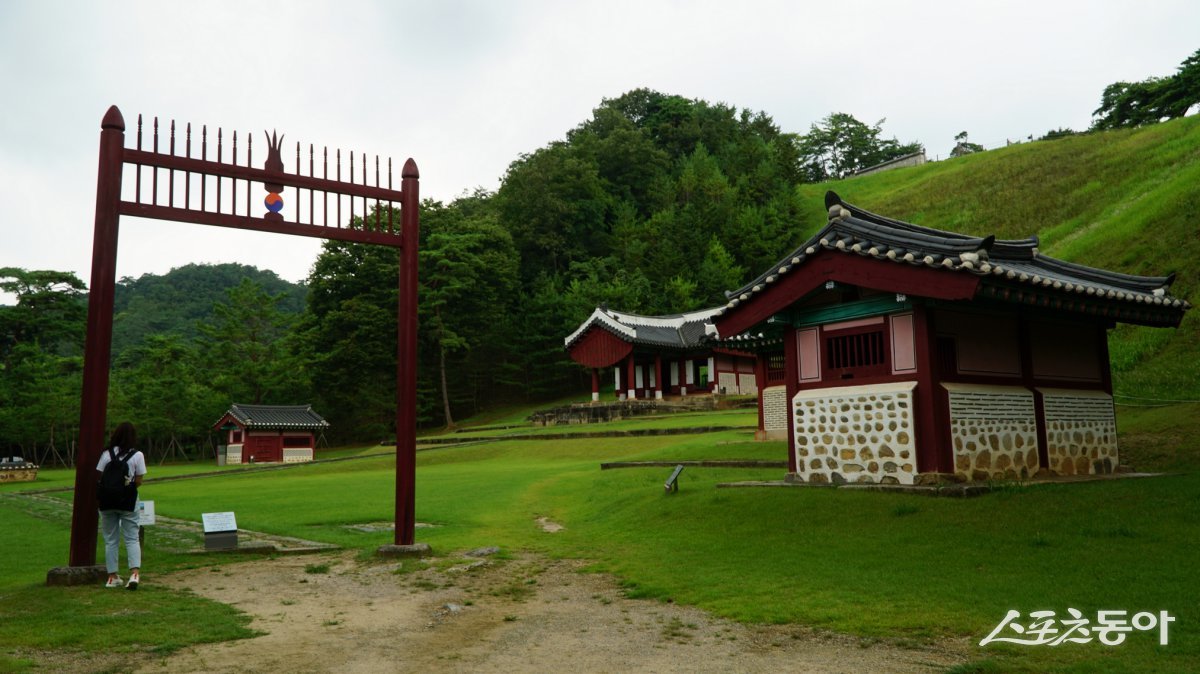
<point>466,614</point>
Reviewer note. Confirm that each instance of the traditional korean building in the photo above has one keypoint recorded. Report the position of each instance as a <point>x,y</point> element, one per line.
<point>270,433</point>
<point>888,352</point>
<point>653,356</point>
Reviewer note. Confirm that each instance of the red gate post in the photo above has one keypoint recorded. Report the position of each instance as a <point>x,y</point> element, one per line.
<point>94,403</point>
<point>406,360</point>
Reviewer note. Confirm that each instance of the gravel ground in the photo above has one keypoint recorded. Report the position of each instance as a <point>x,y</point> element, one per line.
<point>470,614</point>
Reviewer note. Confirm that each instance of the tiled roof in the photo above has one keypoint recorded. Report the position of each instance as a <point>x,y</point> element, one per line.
<point>1013,271</point>
<point>679,331</point>
<point>277,416</point>
<point>1009,265</point>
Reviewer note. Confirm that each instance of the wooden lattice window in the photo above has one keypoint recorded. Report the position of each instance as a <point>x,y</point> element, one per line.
<point>856,353</point>
<point>776,369</point>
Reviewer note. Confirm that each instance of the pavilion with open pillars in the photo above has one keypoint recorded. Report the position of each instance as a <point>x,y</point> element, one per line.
<point>656,356</point>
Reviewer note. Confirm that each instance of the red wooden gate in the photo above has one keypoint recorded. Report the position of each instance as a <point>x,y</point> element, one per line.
<point>262,449</point>
<point>170,182</point>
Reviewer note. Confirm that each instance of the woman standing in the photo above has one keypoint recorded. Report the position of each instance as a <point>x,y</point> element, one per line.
<point>117,498</point>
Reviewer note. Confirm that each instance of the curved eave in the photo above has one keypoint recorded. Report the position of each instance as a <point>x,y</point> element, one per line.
<point>602,319</point>
<point>1013,261</point>
<point>1138,311</point>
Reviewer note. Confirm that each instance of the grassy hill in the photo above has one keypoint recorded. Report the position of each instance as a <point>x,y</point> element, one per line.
<point>1125,200</point>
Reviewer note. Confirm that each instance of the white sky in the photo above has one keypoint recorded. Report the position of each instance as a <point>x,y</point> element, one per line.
<point>465,87</point>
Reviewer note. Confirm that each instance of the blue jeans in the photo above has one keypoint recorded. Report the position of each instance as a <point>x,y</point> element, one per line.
<point>117,524</point>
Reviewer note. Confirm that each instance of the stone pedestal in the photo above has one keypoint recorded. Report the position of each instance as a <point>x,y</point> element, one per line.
<point>414,550</point>
<point>76,575</point>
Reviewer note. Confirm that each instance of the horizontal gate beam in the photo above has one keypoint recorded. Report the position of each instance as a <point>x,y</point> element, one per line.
<point>260,224</point>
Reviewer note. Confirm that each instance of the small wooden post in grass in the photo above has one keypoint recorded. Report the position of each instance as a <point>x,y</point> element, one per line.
<point>672,484</point>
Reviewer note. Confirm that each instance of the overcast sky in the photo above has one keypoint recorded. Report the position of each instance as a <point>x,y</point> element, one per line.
<point>465,87</point>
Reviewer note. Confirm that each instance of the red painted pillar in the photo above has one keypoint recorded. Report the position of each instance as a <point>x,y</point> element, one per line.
<point>595,385</point>
<point>683,372</point>
<point>760,381</point>
<point>1105,361</point>
<point>406,358</point>
<point>791,369</point>
<point>658,382</point>
<point>931,420</point>
<point>1025,347</point>
<point>631,376</point>
<point>93,405</point>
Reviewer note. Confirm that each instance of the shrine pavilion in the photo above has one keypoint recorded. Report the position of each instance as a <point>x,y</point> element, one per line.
<point>656,355</point>
<point>269,433</point>
<point>887,352</point>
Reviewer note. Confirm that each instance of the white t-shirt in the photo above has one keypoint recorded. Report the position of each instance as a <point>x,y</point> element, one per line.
<point>135,466</point>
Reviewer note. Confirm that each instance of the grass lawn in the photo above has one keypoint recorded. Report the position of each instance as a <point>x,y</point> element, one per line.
<point>92,619</point>
<point>879,565</point>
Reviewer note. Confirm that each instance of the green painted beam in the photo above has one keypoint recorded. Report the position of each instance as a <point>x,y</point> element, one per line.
<point>873,306</point>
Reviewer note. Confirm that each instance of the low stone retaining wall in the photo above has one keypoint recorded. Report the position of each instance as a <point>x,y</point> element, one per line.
<point>18,472</point>
<point>632,433</point>
<point>593,413</point>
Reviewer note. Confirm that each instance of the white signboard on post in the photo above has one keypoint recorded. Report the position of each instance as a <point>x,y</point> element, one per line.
<point>145,513</point>
<point>217,522</point>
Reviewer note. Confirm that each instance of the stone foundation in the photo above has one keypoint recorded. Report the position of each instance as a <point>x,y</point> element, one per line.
<point>76,575</point>
<point>855,434</point>
<point>993,430</point>
<point>297,454</point>
<point>1081,431</point>
<point>18,472</point>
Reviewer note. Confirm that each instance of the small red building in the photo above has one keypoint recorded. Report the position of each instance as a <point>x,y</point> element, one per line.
<point>886,352</point>
<point>270,433</point>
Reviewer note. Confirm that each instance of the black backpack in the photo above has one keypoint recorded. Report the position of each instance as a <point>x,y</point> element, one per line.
<point>112,492</point>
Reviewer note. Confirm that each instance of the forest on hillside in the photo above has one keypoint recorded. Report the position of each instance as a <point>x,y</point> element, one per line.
<point>655,204</point>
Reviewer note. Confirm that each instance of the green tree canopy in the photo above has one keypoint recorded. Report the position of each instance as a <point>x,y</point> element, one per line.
<point>1128,104</point>
<point>50,310</point>
<point>468,272</point>
<point>245,348</point>
<point>840,145</point>
<point>963,146</point>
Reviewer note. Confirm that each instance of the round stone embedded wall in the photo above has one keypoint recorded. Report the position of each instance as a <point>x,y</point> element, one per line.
<point>993,430</point>
<point>855,434</point>
<point>994,449</point>
<point>1081,447</point>
<point>1081,432</point>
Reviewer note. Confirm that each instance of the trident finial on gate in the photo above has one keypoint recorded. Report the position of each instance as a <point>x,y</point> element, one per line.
<point>274,164</point>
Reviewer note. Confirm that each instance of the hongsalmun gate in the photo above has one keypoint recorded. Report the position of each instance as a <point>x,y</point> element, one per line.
<point>887,352</point>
